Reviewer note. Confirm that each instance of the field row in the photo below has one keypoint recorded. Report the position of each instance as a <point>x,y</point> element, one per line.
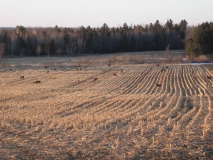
<point>137,111</point>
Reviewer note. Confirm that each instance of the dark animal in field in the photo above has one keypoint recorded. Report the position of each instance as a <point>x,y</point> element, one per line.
<point>185,145</point>
<point>158,85</point>
<point>48,71</point>
<point>209,77</point>
<point>163,69</point>
<point>157,64</point>
<point>167,66</point>
<point>10,69</point>
<point>45,67</point>
<point>54,69</point>
<point>21,77</point>
<point>36,82</point>
<point>95,79</point>
<point>114,74</point>
<point>108,65</point>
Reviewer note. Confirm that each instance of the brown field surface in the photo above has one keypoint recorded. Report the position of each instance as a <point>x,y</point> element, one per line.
<point>128,111</point>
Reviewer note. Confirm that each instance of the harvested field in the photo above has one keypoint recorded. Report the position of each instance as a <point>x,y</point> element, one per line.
<point>117,112</point>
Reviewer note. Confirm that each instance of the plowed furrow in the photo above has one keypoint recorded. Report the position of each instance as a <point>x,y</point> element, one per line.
<point>145,83</point>
<point>151,81</point>
<point>158,80</point>
<point>106,106</point>
<point>115,109</point>
<point>170,88</point>
<point>197,124</point>
<point>86,82</point>
<point>118,85</point>
<point>166,88</point>
<point>188,76</point>
<point>180,81</point>
<point>185,81</point>
<point>140,109</point>
<point>205,82</point>
<point>159,111</point>
<point>115,106</point>
<point>131,85</point>
<point>194,80</point>
<point>208,121</point>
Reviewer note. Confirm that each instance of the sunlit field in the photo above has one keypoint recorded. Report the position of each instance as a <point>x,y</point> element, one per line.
<point>106,107</point>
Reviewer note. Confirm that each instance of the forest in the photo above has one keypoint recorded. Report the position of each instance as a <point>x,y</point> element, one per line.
<point>58,41</point>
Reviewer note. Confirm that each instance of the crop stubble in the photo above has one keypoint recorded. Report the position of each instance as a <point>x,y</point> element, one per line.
<point>107,112</point>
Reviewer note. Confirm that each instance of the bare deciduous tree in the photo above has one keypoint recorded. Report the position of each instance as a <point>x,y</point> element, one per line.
<point>38,50</point>
<point>13,43</point>
<point>80,45</point>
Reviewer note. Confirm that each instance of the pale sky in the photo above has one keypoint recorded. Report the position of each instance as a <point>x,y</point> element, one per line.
<point>75,13</point>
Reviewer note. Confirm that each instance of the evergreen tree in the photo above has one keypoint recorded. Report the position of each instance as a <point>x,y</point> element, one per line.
<point>182,28</point>
<point>50,48</point>
<point>169,25</point>
<point>201,40</point>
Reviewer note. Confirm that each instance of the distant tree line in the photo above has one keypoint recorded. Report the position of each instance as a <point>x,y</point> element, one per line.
<point>57,41</point>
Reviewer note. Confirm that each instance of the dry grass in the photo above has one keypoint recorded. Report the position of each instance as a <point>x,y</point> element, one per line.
<point>97,60</point>
<point>93,114</point>
<point>167,57</point>
<point>201,58</point>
